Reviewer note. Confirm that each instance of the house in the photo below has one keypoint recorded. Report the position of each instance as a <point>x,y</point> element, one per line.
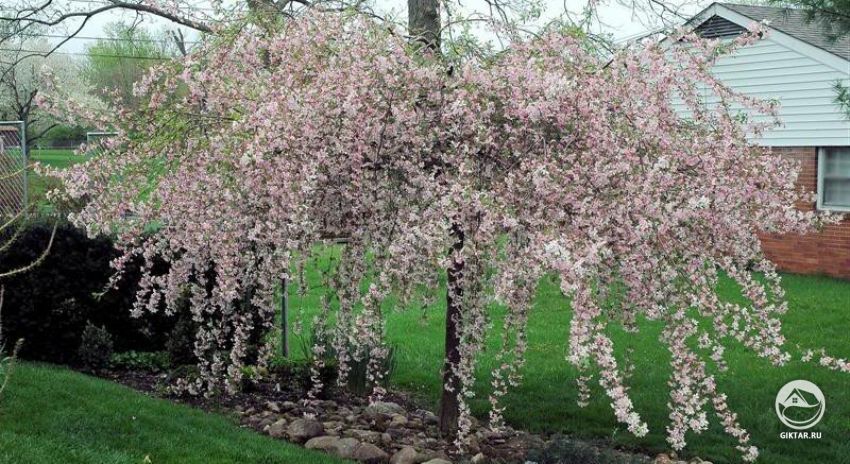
<point>797,64</point>
<point>10,136</point>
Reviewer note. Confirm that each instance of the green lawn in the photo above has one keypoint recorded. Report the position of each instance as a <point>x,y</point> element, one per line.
<point>546,401</point>
<point>57,158</point>
<point>54,415</point>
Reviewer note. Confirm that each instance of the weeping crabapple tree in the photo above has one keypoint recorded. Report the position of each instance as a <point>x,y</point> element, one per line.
<point>542,159</point>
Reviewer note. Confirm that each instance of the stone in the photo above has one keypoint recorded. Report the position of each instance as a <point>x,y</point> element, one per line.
<point>345,447</point>
<point>332,425</point>
<point>304,429</point>
<point>430,418</point>
<point>478,458</point>
<point>664,459</point>
<point>324,443</point>
<point>427,455</point>
<point>342,447</point>
<point>277,429</point>
<point>386,438</point>
<point>406,455</point>
<point>396,433</point>
<point>272,406</point>
<point>364,435</point>
<point>289,405</point>
<point>437,461</point>
<point>384,407</point>
<point>370,454</point>
<point>265,422</point>
<point>398,420</point>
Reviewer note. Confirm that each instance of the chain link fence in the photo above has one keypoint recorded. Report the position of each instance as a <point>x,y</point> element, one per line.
<point>96,141</point>
<point>13,168</point>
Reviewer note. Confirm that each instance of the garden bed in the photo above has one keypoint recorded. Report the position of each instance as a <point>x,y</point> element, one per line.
<point>396,430</point>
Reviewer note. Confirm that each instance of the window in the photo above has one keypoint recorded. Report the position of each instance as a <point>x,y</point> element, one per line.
<point>834,178</point>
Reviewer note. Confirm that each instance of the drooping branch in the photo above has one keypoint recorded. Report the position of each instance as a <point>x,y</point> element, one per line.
<point>43,16</point>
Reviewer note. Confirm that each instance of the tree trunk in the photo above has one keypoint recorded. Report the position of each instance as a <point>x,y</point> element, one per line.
<point>424,26</point>
<point>423,22</point>
<point>449,404</point>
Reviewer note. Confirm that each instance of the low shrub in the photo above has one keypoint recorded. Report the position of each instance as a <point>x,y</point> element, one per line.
<point>153,361</point>
<point>357,381</point>
<point>49,305</point>
<point>181,340</point>
<point>95,349</point>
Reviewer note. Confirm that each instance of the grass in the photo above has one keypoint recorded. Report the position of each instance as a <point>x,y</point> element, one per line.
<point>546,401</point>
<point>57,158</point>
<point>54,415</point>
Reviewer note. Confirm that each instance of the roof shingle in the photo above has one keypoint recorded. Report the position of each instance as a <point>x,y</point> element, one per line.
<point>795,23</point>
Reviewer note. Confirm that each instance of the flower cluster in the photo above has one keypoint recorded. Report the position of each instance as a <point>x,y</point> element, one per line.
<point>546,159</point>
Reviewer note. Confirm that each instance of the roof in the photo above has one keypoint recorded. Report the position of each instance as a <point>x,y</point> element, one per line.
<point>796,23</point>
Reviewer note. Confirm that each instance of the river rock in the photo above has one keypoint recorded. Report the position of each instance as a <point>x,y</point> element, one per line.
<point>370,454</point>
<point>304,429</point>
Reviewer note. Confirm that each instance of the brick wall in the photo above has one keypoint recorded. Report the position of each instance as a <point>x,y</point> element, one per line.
<point>826,252</point>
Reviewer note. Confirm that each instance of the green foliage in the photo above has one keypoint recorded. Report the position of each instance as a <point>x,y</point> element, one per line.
<point>63,135</point>
<point>563,450</point>
<point>95,349</point>
<point>116,63</point>
<point>834,15</point>
<point>181,341</point>
<point>50,305</point>
<point>357,381</point>
<point>842,97</point>
<point>153,361</point>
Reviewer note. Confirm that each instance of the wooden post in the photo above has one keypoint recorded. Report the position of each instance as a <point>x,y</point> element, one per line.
<point>284,318</point>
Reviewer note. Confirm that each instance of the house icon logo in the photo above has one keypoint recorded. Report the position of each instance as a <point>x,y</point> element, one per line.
<point>800,404</point>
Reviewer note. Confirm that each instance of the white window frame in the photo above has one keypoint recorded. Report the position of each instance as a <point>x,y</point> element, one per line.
<point>821,168</point>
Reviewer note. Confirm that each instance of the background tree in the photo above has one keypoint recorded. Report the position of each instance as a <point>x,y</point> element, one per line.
<point>23,74</point>
<point>834,15</point>
<point>114,64</point>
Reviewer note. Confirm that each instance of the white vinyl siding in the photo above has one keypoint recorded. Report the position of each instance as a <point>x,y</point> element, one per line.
<point>803,85</point>
<point>834,178</point>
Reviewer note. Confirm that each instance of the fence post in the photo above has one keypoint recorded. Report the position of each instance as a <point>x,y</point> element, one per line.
<point>284,317</point>
<point>25,155</point>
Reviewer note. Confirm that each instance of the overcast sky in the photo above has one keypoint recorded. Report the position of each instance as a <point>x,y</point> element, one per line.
<point>615,18</point>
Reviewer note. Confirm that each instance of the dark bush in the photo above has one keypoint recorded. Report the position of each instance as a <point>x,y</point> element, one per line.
<point>95,349</point>
<point>181,340</point>
<point>50,305</point>
<point>63,136</point>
